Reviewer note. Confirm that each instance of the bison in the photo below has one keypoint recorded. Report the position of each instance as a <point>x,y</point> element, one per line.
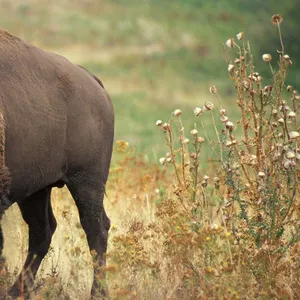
<point>56,129</point>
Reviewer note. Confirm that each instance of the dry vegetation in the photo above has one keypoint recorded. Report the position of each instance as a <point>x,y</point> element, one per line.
<point>231,231</point>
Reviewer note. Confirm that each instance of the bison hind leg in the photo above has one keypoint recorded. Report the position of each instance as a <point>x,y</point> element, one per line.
<point>37,213</point>
<point>88,192</point>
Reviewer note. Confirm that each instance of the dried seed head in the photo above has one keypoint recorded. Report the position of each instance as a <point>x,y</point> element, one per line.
<point>287,59</point>
<point>294,135</point>
<point>223,112</point>
<point>166,127</point>
<point>292,114</point>
<point>237,61</point>
<point>268,88</point>
<point>230,143</point>
<point>240,35</point>
<point>281,121</point>
<point>200,140</point>
<point>204,183</point>
<point>162,160</point>
<point>185,141</point>
<point>193,155</point>
<point>213,89</point>
<point>208,105</point>
<point>169,160</point>
<point>290,154</point>
<point>276,19</point>
<point>261,174</point>
<point>274,111</point>
<point>158,122</point>
<point>246,84</point>
<point>230,68</point>
<point>198,111</point>
<point>229,125</point>
<point>224,119</point>
<point>289,88</point>
<point>287,164</point>
<point>230,43</point>
<point>194,132</point>
<point>258,79</point>
<point>205,177</point>
<point>177,112</point>
<point>267,57</point>
<point>216,179</point>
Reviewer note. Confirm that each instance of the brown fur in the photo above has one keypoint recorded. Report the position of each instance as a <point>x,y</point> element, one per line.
<point>5,176</point>
<point>59,131</point>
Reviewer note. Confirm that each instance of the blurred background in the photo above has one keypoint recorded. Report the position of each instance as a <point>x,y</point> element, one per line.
<point>154,56</point>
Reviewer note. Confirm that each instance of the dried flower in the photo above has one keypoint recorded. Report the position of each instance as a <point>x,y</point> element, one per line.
<point>185,141</point>
<point>261,174</point>
<point>204,183</point>
<point>281,120</point>
<point>230,143</point>
<point>205,177</point>
<point>274,111</point>
<point>290,154</point>
<point>230,43</point>
<point>268,88</point>
<point>229,125</point>
<point>213,89</point>
<point>169,160</point>
<point>208,105</point>
<point>177,112</point>
<point>224,119</point>
<point>159,122</point>
<point>287,164</point>
<point>294,135</point>
<point>292,114</point>
<point>246,84</point>
<point>289,88</point>
<point>200,140</point>
<point>230,68</point>
<point>166,127</point>
<point>240,35</point>
<point>258,79</point>
<point>267,57</point>
<point>223,112</point>
<point>286,57</point>
<point>162,160</point>
<point>194,132</point>
<point>276,19</point>
<point>198,111</point>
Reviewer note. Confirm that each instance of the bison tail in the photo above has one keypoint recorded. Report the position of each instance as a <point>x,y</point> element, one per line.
<point>5,176</point>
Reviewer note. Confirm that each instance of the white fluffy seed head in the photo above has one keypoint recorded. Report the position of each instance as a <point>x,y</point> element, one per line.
<point>294,135</point>
<point>198,111</point>
<point>177,112</point>
<point>194,132</point>
<point>267,57</point>
<point>240,35</point>
<point>230,43</point>
<point>159,123</point>
<point>162,160</point>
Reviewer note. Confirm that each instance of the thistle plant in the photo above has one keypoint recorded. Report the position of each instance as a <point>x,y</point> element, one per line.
<point>255,197</point>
